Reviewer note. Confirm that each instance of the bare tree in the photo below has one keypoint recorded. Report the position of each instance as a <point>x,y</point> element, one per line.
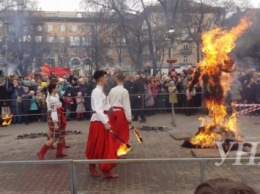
<point>170,9</point>
<point>100,39</point>
<point>198,17</point>
<point>122,11</point>
<point>9,4</point>
<point>192,18</point>
<point>24,36</point>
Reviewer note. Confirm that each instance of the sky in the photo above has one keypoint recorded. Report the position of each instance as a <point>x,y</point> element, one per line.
<point>73,5</point>
<point>59,5</point>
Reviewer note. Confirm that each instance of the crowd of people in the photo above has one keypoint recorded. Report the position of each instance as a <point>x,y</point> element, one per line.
<point>26,96</point>
<point>111,102</point>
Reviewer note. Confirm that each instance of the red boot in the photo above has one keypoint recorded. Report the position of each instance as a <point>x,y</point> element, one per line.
<point>109,175</point>
<point>93,171</point>
<point>59,153</point>
<point>65,145</point>
<point>52,146</point>
<point>42,152</point>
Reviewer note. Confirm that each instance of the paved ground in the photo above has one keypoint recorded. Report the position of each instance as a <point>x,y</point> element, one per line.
<point>134,178</point>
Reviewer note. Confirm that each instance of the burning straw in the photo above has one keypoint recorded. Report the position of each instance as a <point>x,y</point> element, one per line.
<point>214,71</point>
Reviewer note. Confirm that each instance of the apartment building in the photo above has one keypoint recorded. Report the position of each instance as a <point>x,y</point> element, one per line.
<point>90,40</point>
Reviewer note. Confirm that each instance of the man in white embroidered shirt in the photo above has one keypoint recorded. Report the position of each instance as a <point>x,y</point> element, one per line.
<point>100,143</point>
<point>121,116</point>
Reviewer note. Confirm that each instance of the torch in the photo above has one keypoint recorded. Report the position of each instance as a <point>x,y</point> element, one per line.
<point>119,138</point>
<point>138,136</point>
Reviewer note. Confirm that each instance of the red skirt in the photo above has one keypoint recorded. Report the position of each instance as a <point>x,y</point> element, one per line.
<point>61,131</point>
<point>120,126</point>
<point>100,145</point>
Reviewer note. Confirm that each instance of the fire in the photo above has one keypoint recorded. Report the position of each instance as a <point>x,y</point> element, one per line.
<point>123,150</point>
<point>138,137</point>
<point>214,71</point>
<point>6,121</point>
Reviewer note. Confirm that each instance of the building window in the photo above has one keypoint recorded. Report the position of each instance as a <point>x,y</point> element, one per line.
<point>50,39</point>
<point>1,24</point>
<point>110,51</point>
<point>50,28</point>
<point>62,28</point>
<point>75,50</point>
<point>86,50</point>
<point>26,38</point>
<point>185,59</point>
<point>61,49</point>
<point>38,38</point>
<point>110,29</point>
<point>87,28</point>
<point>185,46</point>
<point>11,28</point>
<point>39,28</point>
<point>86,41</point>
<point>74,28</point>
<point>61,39</point>
<point>74,41</point>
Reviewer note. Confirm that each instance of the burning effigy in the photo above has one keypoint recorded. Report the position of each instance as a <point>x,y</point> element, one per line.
<point>214,72</point>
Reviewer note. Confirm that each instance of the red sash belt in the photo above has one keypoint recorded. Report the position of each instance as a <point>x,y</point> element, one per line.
<point>117,107</point>
<point>105,112</point>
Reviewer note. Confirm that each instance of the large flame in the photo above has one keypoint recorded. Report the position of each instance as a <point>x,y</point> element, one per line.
<point>216,66</point>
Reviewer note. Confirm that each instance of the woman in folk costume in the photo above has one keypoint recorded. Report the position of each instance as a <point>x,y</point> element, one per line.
<point>57,123</point>
<point>121,116</point>
<point>65,145</point>
<point>100,143</point>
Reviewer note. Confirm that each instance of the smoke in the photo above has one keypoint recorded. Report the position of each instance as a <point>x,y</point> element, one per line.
<point>247,50</point>
<point>12,68</point>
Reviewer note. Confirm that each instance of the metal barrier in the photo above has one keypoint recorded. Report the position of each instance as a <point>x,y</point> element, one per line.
<point>73,172</point>
<point>172,107</point>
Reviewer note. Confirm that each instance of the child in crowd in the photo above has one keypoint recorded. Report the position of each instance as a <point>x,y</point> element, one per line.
<point>80,106</point>
<point>33,106</point>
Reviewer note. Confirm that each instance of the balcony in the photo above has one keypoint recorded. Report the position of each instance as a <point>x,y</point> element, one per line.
<point>187,51</point>
<point>185,64</point>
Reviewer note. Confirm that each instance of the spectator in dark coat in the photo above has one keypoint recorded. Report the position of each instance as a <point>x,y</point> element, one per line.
<point>15,92</point>
<point>3,96</point>
<point>138,92</point>
<point>73,89</point>
<point>26,102</point>
<point>84,89</point>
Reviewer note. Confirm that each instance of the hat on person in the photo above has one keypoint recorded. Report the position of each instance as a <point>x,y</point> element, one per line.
<point>43,84</point>
<point>26,82</point>
<point>171,82</point>
<point>61,79</point>
<point>74,79</point>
